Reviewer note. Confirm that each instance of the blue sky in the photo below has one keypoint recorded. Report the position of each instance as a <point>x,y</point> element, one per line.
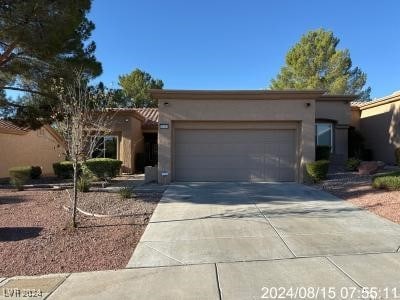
<point>223,44</point>
<point>232,44</point>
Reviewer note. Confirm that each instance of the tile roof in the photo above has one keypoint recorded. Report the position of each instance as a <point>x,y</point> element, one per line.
<point>11,127</point>
<point>363,103</point>
<point>150,115</point>
<point>359,104</point>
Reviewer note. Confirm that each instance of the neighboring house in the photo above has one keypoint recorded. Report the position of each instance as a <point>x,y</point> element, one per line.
<point>24,147</point>
<point>379,123</point>
<point>247,135</point>
<point>133,138</point>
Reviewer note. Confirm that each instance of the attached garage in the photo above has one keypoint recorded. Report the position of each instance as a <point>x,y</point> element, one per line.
<point>235,154</point>
<point>252,136</point>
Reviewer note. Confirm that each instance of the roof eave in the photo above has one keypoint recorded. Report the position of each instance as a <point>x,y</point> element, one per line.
<point>236,94</point>
<point>125,111</point>
<point>347,98</point>
<point>12,131</point>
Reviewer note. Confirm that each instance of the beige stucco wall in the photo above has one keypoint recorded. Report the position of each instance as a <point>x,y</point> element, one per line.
<point>340,114</point>
<point>130,139</point>
<point>233,111</point>
<point>338,111</point>
<point>380,126</point>
<point>37,148</point>
<point>355,118</point>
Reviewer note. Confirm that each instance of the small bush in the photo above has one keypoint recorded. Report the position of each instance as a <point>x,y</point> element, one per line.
<point>397,156</point>
<point>64,169</point>
<point>83,184</point>
<point>352,164</point>
<point>322,152</point>
<point>317,170</point>
<point>125,193</point>
<point>389,181</point>
<point>104,167</point>
<point>88,174</point>
<point>19,176</point>
<point>36,172</point>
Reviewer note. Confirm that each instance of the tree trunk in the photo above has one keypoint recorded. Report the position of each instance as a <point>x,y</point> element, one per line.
<point>75,165</point>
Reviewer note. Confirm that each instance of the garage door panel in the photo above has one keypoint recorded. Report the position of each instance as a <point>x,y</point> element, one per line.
<point>220,161</point>
<point>218,148</point>
<point>235,155</point>
<point>217,174</point>
<point>217,136</point>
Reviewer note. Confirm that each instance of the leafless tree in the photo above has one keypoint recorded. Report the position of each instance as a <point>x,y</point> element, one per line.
<point>82,116</point>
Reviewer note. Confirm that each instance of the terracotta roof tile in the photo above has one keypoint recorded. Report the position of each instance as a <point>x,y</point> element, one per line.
<point>395,96</point>
<point>151,117</point>
<point>362,103</point>
<point>9,126</point>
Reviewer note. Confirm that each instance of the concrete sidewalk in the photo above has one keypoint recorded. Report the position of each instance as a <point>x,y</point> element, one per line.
<point>244,241</point>
<point>238,280</point>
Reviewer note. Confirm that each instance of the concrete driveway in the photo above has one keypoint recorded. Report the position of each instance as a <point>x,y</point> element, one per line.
<point>199,223</point>
<point>252,241</point>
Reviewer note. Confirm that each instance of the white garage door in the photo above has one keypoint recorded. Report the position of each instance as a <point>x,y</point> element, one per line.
<point>235,155</point>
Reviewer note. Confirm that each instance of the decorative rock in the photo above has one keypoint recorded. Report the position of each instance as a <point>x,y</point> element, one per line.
<point>370,167</point>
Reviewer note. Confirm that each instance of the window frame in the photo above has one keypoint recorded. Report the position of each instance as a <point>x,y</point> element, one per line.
<point>104,145</point>
<point>332,139</point>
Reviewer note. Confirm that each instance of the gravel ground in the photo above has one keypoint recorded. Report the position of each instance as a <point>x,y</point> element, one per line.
<point>35,237</point>
<point>358,190</point>
<point>104,203</point>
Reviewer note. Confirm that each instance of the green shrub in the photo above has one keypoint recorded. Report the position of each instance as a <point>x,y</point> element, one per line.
<point>83,184</point>
<point>19,176</point>
<point>322,152</point>
<point>125,193</point>
<point>88,174</point>
<point>352,164</point>
<point>317,170</point>
<point>64,169</point>
<point>36,172</point>
<point>104,167</point>
<point>397,156</point>
<point>389,181</point>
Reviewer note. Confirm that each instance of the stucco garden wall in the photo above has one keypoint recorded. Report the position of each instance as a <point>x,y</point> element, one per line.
<point>380,126</point>
<point>37,148</point>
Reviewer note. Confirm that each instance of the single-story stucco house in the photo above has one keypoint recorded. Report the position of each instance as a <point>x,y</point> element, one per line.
<point>379,123</point>
<point>23,147</point>
<point>254,135</point>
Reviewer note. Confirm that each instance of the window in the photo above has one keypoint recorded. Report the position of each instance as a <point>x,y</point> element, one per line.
<point>324,134</point>
<point>107,146</point>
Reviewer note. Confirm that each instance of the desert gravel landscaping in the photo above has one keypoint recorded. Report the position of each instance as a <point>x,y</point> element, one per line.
<point>35,237</point>
<point>358,190</point>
